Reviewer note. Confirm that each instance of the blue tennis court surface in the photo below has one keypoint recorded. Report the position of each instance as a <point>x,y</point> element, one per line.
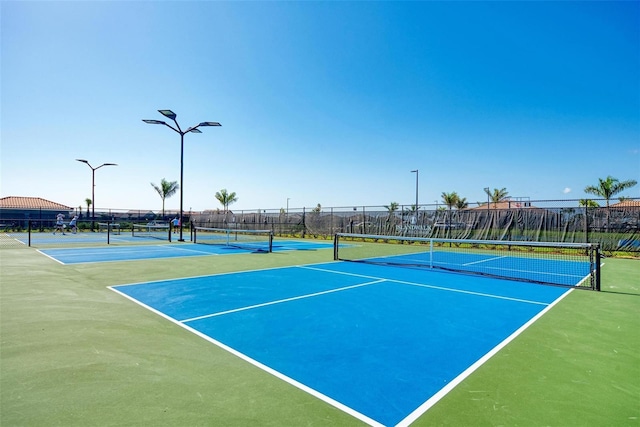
<point>81,255</point>
<point>381,343</point>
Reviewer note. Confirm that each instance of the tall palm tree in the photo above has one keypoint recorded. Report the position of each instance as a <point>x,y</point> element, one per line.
<point>88,202</point>
<point>450,199</point>
<point>462,203</point>
<point>496,195</point>
<point>588,203</point>
<point>392,208</point>
<point>609,187</point>
<point>165,189</point>
<point>225,198</point>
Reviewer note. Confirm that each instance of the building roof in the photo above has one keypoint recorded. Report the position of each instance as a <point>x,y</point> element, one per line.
<point>507,204</point>
<point>626,204</point>
<point>15,202</point>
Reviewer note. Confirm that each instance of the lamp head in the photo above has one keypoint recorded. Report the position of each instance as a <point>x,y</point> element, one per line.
<point>154,122</point>
<point>209,124</point>
<point>168,113</point>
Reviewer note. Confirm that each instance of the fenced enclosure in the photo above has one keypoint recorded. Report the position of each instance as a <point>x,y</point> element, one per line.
<point>613,228</point>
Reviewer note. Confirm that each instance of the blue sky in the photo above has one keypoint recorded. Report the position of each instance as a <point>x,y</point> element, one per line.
<point>320,102</point>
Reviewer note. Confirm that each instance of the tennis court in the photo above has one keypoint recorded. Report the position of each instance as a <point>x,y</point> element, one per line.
<point>382,343</point>
<point>97,254</point>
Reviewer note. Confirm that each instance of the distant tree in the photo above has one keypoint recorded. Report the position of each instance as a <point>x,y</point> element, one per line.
<point>392,208</point>
<point>450,199</point>
<point>225,198</point>
<point>88,202</point>
<point>462,203</point>
<point>588,203</point>
<point>609,187</point>
<point>165,189</point>
<point>496,195</point>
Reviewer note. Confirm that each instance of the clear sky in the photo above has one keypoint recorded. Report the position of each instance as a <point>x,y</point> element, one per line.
<point>320,102</point>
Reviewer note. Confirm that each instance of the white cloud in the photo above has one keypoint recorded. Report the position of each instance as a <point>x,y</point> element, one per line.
<point>566,190</point>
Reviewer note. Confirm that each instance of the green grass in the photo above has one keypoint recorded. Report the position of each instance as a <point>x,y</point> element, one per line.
<point>74,353</point>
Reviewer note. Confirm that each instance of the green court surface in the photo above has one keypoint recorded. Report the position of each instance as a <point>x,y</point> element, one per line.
<point>74,353</point>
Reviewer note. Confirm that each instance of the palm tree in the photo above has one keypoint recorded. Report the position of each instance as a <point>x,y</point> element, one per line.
<point>166,189</point>
<point>450,199</point>
<point>225,198</point>
<point>496,195</point>
<point>88,202</point>
<point>609,187</point>
<point>462,203</point>
<point>392,208</point>
<point>588,203</point>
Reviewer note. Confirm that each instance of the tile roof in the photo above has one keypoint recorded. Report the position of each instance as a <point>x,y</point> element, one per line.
<point>14,202</point>
<point>626,204</point>
<point>507,204</point>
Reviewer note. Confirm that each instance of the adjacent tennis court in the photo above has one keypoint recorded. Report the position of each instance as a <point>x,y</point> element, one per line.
<point>381,343</point>
<point>97,254</point>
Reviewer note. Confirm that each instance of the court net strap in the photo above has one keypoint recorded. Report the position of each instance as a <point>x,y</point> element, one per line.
<point>564,264</point>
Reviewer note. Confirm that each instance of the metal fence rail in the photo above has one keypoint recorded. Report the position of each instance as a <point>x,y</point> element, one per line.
<point>614,228</point>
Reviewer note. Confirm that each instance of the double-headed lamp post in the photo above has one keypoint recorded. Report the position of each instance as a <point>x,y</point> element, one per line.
<point>486,190</point>
<point>194,129</point>
<point>416,172</point>
<point>93,185</point>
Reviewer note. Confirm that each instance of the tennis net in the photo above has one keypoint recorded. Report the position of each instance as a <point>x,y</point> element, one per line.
<point>564,264</point>
<point>113,228</point>
<point>162,232</point>
<point>256,240</point>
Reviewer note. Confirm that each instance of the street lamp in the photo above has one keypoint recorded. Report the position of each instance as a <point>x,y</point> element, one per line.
<point>93,185</point>
<point>194,129</point>
<point>416,172</point>
<point>486,189</point>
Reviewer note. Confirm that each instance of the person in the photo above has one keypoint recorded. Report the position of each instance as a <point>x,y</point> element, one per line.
<point>73,224</point>
<point>59,224</point>
<point>176,224</point>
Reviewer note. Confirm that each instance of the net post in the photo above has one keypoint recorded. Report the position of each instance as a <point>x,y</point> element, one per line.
<point>270,241</point>
<point>431,253</point>
<point>169,232</point>
<point>597,249</point>
<point>194,234</point>
<point>108,231</point>
<point>335,247</point>
<point>29,231</point>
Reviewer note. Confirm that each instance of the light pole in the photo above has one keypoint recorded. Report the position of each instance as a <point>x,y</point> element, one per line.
<point>288,198</point>
<point>416,172</point>
<point>170,114</point>
<point>486,190</point>
<point>93,185</point>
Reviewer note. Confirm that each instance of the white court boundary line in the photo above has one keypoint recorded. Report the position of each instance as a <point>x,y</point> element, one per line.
<point>413,416</point>
<point>259,365</point>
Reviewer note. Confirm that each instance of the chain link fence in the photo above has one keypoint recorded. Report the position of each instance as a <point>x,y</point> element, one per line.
<point>614,228</point>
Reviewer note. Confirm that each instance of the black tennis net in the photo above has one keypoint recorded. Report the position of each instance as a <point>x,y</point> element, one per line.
<point>255,240</point>
<point>564,264</point>
<point>161,232</point>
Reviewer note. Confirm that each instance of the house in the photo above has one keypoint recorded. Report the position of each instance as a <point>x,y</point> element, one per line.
<point>627,203</point>
<point>16,211</point>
